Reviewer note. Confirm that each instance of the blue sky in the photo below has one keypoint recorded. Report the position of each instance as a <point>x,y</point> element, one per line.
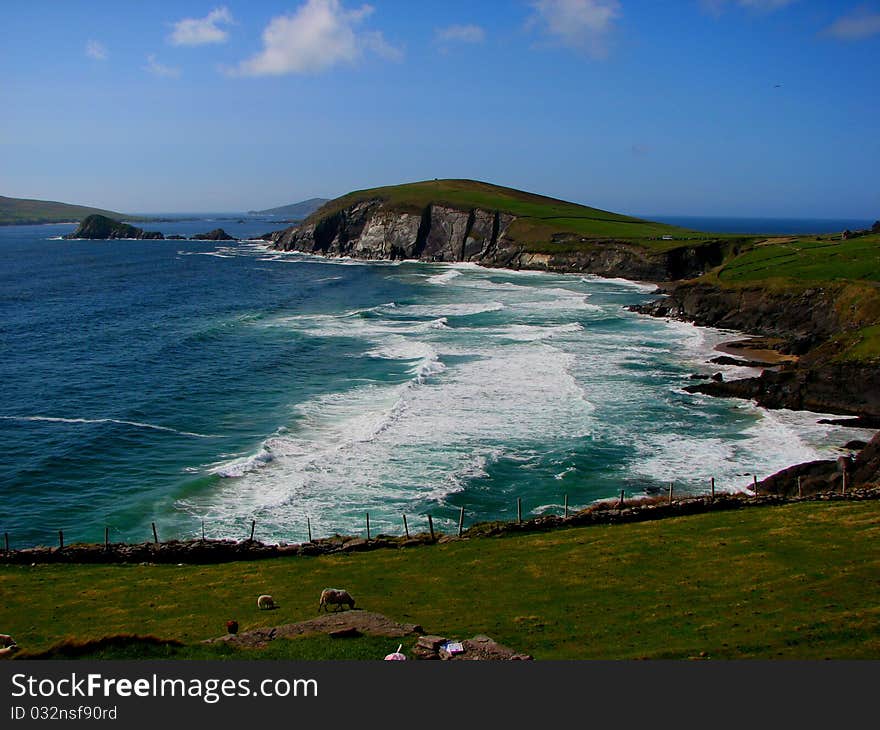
<point>686,107</point>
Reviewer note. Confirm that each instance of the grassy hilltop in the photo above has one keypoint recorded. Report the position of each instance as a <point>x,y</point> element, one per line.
<point>848,268</point>
<point>22,211</point>
<point>797,581</point>
<point>539,218</point>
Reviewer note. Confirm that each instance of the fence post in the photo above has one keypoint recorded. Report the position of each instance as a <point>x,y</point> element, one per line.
<point>431,527</point>
<point>519,509</point>
<point>155,534</point>
<point>61,539</point>
<point>566,505</point>
<point>368,526</point>
<point>405,527</point>
<point>106,538</point>
<point>253,527</point>
<point>670,492</point>
<point>620,504</point>
<point>460,521</point>
<point>713,488</point>
<point>755,484</point>
<point>6,541</point>
<point>203,529</point>
<point>800,488</point>
<point>844,482</point>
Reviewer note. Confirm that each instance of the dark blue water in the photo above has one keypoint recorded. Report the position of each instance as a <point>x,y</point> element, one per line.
<point>181,381</point>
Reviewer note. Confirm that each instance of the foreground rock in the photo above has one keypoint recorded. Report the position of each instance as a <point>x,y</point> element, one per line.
<point>816,477</point>
<point>351,624</point>
<point>218,234</point>
<point>341,625</point>
<point>101,228</point>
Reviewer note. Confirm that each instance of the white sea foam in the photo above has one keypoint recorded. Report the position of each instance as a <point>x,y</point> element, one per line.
<point>533,333</point>
<point>507,386</point>
<point>444,278</point>
<point>134,424</point>
<point>622,283</point>
<point>450,309</point>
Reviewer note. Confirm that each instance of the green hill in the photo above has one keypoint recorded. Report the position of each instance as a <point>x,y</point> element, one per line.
<point>295,211</point>
<point>538,218</point>
<point>23,211</point>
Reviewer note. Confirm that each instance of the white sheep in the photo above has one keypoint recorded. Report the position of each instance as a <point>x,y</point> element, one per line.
<point>337,597</point>
<point>266,603</point>
<point>7,645</point>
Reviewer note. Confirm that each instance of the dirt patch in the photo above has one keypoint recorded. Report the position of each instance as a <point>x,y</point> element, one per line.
<point>341,623</point>
<point>345,624</point>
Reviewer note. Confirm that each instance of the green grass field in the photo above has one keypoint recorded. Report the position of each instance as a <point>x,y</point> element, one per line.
<point>796,581</point>
<point>806,260</point>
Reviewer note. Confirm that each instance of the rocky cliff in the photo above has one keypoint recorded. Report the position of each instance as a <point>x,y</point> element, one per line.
<point>99,227</point>
<point>806,321</point>
<point>218,234</point>
<point>370,229</point>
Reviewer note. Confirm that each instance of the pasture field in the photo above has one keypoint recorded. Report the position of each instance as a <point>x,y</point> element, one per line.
<point>799,581</point>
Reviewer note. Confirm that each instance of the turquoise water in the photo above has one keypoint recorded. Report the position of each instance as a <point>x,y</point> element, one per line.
<point>182,382</point>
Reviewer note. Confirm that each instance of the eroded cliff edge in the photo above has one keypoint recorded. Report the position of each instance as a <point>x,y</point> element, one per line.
<point>818,324</point>
<point>371,230</point>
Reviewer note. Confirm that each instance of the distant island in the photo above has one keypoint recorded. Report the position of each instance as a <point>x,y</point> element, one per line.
<point>295,211</point>
<point>23,211</point>
<point>101,228</point>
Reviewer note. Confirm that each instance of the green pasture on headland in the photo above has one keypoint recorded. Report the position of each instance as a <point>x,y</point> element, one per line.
<point>799,581</point>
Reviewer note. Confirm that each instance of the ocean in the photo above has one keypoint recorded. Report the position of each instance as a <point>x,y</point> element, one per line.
<point>197,384</point>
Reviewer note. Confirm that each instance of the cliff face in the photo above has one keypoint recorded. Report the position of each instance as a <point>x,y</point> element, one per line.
<point>99,227</point>
<point>369,230</point>
<point>804,320</point>
<point>846,388</point>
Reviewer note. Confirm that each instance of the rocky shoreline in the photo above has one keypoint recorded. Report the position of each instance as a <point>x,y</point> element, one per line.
<point>799,325</point>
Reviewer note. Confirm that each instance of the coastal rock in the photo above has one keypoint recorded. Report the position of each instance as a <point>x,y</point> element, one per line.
<point>845,388</point>
<point>218,234</point>
<point>101,228</point>
<point>370,229</point>
<point>827,475</point>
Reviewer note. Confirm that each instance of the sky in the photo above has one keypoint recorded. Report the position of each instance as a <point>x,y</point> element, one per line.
<point>681,107</point>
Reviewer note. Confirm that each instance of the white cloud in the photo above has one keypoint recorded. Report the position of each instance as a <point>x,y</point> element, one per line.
<point>859,24</point>
<point>716,7</point>
<point>159,69</point>
<point>96,50</point>
<point>460,34</point>
<point>580,24</point>
<point>318,35</point>
<point>199,31</point>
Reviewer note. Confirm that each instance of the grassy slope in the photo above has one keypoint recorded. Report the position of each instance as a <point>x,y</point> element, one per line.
<point>538,217</point>
<point>851,267</point>
<point>20,211</point>
<point>751,583</point>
